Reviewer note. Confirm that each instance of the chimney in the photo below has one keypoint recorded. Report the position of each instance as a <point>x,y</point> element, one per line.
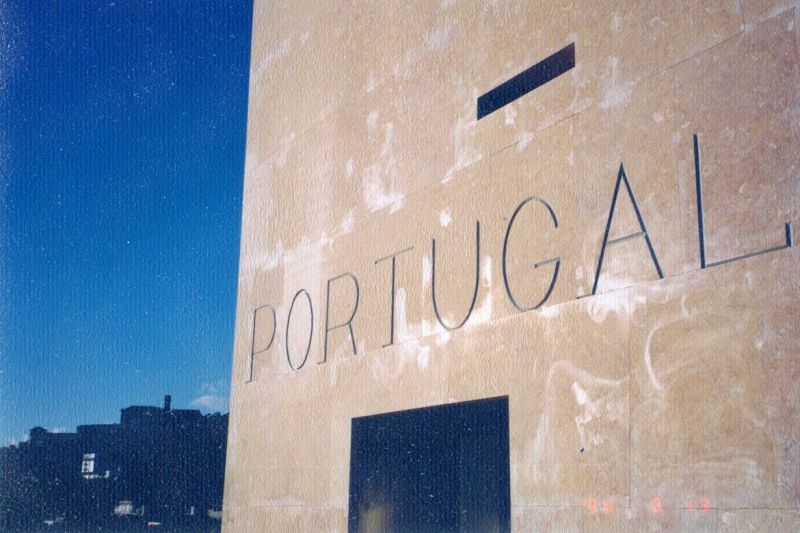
<point>167,402</point>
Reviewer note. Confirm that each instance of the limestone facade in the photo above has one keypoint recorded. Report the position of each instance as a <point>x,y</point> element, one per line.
<point>660,395</point>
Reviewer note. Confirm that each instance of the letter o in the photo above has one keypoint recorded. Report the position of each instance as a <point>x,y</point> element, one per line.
<point>310,329</point>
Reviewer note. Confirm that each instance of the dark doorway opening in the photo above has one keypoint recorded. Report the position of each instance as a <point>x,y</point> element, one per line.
<point>442,468</point>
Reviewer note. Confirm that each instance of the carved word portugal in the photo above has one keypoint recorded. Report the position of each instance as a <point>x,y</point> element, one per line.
<point>297,356</point>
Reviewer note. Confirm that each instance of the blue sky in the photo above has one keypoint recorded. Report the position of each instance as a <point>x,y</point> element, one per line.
<point>122,133</point>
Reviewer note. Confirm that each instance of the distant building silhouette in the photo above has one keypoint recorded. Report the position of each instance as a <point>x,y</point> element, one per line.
<point>158,465</point>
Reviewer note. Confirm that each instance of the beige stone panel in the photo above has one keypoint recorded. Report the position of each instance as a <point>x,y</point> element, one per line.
<point>306,486</point>
<point>291,448</point>
<point>257,210</point>
<point>548,465</point>
<point>277,409</point>
<point>288,431</point>
<point>415,137</point>
<point>410,139</point>
<point>244,413</point>
<point>615,50</point>
<point>257,330</point>
<point>356,162</point>
<point>308,190</point>
<point>287,518</point>
<point>755,11</point>
<point>310,60</point>
<point>741,520</point>
<point>566,378</point>
<point>414,381</point>
<point>240,456</point>
<point>531,519</point>
<point>264,428</point>
<point>326,56</point>
<point>749,161</point>
<point>639,137</point>
<point>409,112</point>
<point>605,515</point>
<point>714,396</point>
<point>666,519</point>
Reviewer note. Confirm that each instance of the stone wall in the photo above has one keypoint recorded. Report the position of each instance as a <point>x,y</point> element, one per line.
<point>655,385</point>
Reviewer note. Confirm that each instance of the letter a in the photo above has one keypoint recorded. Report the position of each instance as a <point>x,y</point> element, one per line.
<point>623,178</point>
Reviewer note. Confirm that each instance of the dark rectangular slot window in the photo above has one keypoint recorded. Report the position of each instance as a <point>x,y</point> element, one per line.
<point>442,468</point>
<point>542,72</point>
